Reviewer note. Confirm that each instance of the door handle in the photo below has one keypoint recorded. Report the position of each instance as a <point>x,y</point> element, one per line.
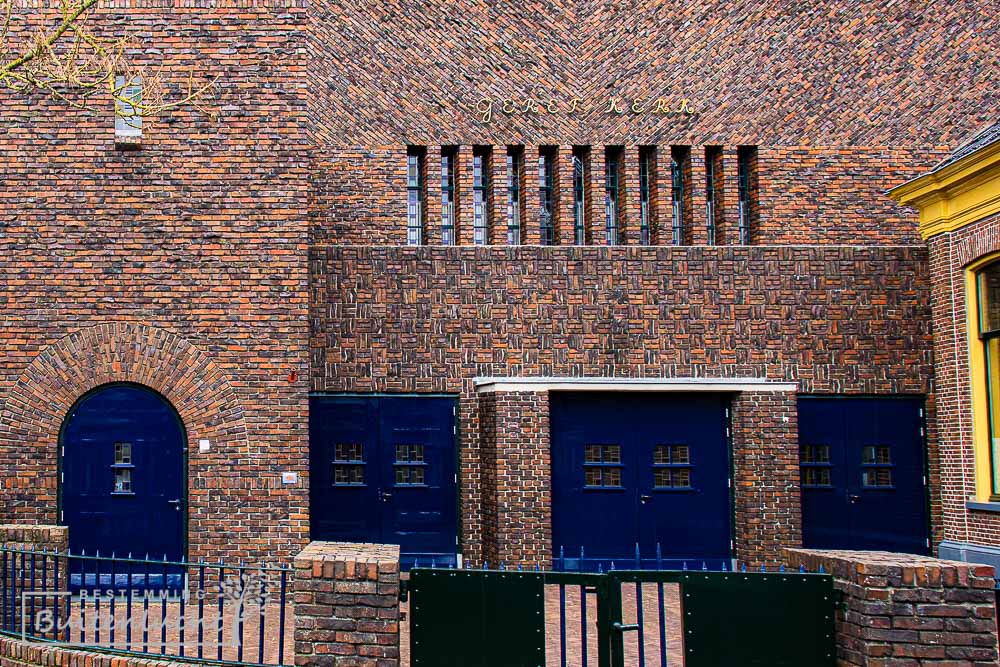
<point>176,503</point>
<point>853,498</point>
<point>645,499</point>
<point>386,496</point>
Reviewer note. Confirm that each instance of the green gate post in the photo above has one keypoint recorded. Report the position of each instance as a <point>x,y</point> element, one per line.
<point>610,641</point>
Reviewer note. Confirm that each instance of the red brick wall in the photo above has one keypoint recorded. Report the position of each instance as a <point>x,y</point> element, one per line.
<point>833,319</point>
<point>809,195</point>
<point>795,74</point>
<point>182,265</point>
<point>517,497</point>
<point>768,507</point>
<point>909,610</point>
<point>949,254</point>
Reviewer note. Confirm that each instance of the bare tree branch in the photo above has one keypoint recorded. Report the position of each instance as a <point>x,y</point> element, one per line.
<point>58,53</point>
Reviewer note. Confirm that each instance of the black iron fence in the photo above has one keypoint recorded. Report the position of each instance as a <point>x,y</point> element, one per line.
<point>213,611</point>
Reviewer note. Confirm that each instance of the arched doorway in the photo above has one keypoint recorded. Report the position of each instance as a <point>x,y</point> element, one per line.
<point>122,456</point>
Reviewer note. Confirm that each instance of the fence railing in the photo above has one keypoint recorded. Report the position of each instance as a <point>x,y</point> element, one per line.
<point>622,618</point>
<point>214,611</point>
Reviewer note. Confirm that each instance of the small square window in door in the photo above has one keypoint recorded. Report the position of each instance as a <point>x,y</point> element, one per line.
<point>122,468</point>
<point>876,467</point>
<point>602,466</point>
<point>672,467</point>
<point>410,467</point>
<point>348,464</point>
<point>816,466</point>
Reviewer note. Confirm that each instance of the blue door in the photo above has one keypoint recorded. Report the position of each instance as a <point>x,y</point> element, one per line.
<point>862,473</point>
<point>383,470</point>
<point>123,483</point>
<point>640,471</point>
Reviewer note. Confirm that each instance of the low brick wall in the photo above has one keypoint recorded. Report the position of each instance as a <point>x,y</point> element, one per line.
<point>15,653</point>
<point>908,610</point>
<point>22,536</point>
<point>347,605</point>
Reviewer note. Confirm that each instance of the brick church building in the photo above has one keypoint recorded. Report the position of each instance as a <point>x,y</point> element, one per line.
<point>493,282</point>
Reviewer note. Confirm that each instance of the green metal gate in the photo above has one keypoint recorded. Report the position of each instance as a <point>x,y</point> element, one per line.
<point>475,618</point>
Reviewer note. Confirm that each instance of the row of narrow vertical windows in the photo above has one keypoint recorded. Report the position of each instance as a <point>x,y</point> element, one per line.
<point>680,229</point>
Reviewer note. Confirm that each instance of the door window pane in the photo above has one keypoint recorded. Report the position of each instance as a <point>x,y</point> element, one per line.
<point>672,467</point>
<point>123,453</point>
<point>815,462</point>
<point>602,466</point>
<point>123,480</point>
<point>348,464</point>
<point>410,468</point>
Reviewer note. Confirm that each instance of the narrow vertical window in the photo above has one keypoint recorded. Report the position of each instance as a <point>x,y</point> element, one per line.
<point>414,196</point>
<point>480,196</point>
<point>546,195</point>
<point>988,297</point>
<point>612,165</point>
<point>128,120</point>
<point>678,163</point>
<point>448,156</point>
<point>745,161</point>
<point>647,158</point>
<point>579,196</point>
<point>514,164</point>
<point>711,191</point>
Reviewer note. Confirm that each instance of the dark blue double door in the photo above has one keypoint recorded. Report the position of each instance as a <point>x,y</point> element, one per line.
<point>383,470</point>
<point>862,473</point>
<point>640,471</point>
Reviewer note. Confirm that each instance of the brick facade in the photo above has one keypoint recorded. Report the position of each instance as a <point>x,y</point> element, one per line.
<point>433,319</point>
<point>909,610</point>
<point>950,253</point>
<point>181,266</point>
<point>245,256</point>
<point>347,605</point>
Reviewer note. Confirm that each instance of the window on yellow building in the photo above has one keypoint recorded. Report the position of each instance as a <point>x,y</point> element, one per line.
<point>988,299</point>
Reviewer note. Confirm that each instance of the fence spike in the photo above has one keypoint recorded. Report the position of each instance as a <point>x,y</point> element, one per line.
<point>743,567</point>
<point>581,559</point>
<point>600,568</point>
<point>416,562</point>
<point>538,568</point>
<point>486,565</point>
<point>562,559</point>
<point>638,557</point>
<point>763,568</point>
<point>704,566</point>
<point>83,552</point>
<point>612,568</point>
<point>659,557</point>
<point>520,567</point>
<point>684,566</point>
<point>821,570</point>
<point>130,555</point>
<point>781,568</point>
<point>503,566</point>
<point>433,564</point>
<point>97,554</point>
<point>802,568</point>
<point>724,569</point>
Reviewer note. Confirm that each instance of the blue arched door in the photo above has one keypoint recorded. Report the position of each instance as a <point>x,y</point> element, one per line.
<point>123,488</point>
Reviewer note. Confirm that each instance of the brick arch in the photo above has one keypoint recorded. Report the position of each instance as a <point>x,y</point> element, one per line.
<point>32,414</point>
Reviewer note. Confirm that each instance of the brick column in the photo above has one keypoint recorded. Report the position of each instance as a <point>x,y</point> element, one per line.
<point>695,193</point>
<point>517,503</point>
<point>598,222</point>
<point>432,164</point>
<point>664,196</point>
<point>565,220</point>
<point>21,536</point>
<point>28,567</point>
<point>766,476</point>
<point>628,195</point>
<point>498,195</point>
<point>464,226</point>
<point>531,231</point>
<point>347,605</point>
<point>901,609</point>
<point>729,198</point>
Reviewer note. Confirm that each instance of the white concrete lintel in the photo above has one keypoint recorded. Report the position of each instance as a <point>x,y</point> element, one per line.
<point>486,385</point>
